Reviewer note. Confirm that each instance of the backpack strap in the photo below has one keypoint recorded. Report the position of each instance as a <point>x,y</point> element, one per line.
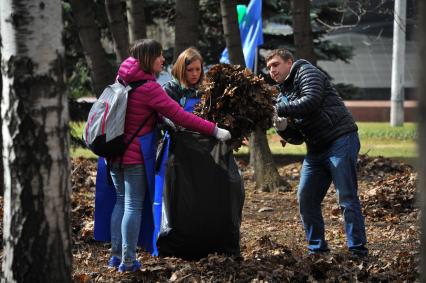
<point>137,131</point>
<point>135,85</point>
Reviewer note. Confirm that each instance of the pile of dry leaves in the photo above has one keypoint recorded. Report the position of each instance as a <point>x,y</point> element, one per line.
<point>388,196</point>
<point>237,100</point>
<point>272,239</point>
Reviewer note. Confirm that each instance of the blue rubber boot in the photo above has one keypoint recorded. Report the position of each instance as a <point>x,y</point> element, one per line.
<point>136,265</point>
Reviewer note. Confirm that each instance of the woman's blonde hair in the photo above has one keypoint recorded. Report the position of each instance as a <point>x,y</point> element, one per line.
<point>146,51</point>
<point>185,58</point>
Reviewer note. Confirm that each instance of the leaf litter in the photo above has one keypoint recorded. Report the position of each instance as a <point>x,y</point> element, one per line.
<point>272,240</point>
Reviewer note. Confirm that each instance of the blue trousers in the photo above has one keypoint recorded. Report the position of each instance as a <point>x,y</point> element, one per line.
<point>130,184</point>
<point>336,164</point>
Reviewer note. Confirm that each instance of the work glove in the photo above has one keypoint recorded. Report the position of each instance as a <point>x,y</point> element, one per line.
<point>280,123</point>
<point>222,134</point>
<point>281,103</point>
<point>282,99</point>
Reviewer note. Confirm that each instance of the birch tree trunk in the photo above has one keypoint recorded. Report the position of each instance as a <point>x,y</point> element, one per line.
<point>186,25</point>
<point>136,19</point>
<point>302,30</point>
<point>265,171</point>
<point>422,133</point>
<point>102,71</point>
<point>37,226</point>
<point>1,136</point>
<point>118,28</point>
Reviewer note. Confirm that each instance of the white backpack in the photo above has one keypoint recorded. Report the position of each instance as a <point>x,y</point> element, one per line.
<point>104,129</point>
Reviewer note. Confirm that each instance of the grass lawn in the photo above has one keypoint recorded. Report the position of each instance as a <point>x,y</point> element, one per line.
<point>76,130</point>
<point>377,139</point>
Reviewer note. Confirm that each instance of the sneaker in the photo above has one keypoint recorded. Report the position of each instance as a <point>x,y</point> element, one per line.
<point>136,265</point>
<point>360,251</point>
<point>114,262</point>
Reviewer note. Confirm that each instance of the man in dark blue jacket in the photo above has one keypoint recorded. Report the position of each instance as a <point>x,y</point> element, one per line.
<point>310,110</point>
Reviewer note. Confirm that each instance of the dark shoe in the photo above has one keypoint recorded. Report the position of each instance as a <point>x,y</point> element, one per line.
<point>136,265</point>
<point>114,262</point>
<point>360,251</point>
<point>325,251</point>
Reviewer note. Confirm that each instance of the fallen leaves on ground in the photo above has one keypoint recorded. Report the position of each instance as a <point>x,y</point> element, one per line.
<point>272,240</point>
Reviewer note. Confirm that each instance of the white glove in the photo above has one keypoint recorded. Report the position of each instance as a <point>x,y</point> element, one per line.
<point>222,134</point>
<point>280,123</point>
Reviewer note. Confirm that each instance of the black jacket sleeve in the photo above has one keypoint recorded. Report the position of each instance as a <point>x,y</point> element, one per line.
<point>310,84</point>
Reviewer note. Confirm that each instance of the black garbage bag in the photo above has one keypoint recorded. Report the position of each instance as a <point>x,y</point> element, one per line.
<point>203,199</point>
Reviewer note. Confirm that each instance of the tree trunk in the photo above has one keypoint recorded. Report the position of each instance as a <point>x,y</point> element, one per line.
<point>1,138</point>
<point>231,32</point>
<point>102,71</point>
<point>37,224</point>
<point>302,30</point>
<point>422,134</point>
<point>117,26</point>
<point>265,171</point>
<point>186,25</point>
<point>136,19</point>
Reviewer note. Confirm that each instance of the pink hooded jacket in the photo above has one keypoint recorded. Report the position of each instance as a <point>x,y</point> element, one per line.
<point>145,100</point>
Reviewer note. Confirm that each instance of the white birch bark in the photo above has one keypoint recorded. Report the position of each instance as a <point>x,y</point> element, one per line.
<point>34,109</point>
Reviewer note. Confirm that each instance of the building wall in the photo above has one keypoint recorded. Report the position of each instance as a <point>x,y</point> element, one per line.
<point>370,69</point>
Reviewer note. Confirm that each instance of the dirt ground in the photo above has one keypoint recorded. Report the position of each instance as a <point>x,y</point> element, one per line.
<point>272,240</point>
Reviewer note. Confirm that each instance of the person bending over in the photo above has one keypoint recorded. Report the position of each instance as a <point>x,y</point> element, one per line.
<point>310,105</point>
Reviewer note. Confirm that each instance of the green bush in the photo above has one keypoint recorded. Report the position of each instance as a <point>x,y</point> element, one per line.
<point>78,85</point>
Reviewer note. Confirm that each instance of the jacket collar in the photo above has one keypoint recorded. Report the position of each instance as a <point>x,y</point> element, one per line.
<point>294,68</point>
<point>181,86</point>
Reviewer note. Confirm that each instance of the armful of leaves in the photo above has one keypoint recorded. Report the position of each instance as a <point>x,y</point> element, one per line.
<point>237,100</point>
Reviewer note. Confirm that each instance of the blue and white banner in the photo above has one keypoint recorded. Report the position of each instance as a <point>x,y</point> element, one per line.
<point>250,32</point>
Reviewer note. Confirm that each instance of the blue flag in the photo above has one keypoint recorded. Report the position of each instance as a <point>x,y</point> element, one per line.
<point>250,32</point>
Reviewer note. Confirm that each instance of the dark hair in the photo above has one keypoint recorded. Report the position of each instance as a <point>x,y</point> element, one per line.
<point>146,51</point>
<point>188,56</point>
<point>283,53</point>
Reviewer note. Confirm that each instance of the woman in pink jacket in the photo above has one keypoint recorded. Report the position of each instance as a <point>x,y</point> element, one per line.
<point>128,173</point>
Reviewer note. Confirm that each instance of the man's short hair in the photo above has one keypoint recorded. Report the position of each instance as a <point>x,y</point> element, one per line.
<point>283,53</point>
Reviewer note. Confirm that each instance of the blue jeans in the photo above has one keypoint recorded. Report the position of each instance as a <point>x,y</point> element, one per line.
<point>338,164</point>
<point>130,184</point>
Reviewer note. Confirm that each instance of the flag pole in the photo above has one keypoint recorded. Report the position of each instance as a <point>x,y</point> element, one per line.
<point>398,64</point>
<point>256,55</point>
